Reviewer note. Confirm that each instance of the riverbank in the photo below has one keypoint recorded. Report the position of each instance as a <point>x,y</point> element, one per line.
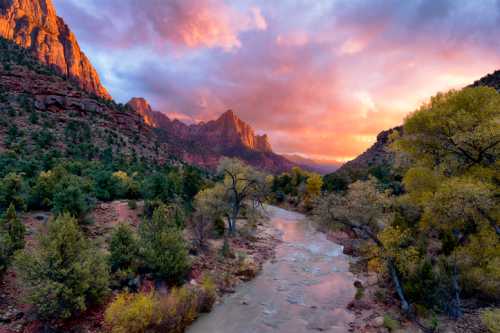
<point>377,310</point>
<point>254,245</point>
<point>305,288</point>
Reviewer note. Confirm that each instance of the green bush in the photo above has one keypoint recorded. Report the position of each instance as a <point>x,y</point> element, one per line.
<point>64,273</point>
<point>491,319</point>
<point>390,323</point>
<point>69,197</point>
<point>12,233</point>
<point>13,190</point>
<point>163,248</point>
<point>124,257</point>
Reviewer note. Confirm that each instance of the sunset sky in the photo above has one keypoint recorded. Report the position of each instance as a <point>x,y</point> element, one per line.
<point>321,77</point>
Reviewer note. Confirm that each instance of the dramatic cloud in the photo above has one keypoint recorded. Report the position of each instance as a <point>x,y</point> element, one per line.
<point>321,77</point>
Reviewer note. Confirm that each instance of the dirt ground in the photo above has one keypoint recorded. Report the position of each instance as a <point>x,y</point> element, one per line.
<point>248,253</point>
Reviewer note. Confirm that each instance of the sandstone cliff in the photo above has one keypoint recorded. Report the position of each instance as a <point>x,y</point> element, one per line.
<point>34,25</point>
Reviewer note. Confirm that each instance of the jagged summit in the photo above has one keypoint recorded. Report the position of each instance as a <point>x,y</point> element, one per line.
<point>205,142</point>
<point>34,25</point>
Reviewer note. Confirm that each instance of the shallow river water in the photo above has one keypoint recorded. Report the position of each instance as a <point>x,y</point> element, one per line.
<point>306,288</point>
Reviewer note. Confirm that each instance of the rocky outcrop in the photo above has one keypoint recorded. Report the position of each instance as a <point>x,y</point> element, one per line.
<point>491,80</point>
<point>229,131</point>
<point>377,155</point>
<point>205,143</point>
<point>34,25</point>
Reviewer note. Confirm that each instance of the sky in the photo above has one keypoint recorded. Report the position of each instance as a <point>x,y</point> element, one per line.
<point>321,77</point>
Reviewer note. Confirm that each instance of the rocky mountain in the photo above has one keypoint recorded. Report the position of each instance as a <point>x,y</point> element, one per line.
<point>34,25</point>
<point>375,156</point>
<point>490,80</point>
<point>204,143</point>
<point>42,112</point>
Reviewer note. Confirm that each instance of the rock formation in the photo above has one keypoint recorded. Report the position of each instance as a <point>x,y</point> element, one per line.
<point>204,143</point>
<point>34,25</point>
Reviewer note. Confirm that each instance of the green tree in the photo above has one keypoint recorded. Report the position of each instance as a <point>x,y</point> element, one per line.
<point>14,228</point>
<point>451,207</point>
<point>13,190</point>
<point>163,248</point>
<point>124,249</point>
<point>12,233</point>
<point>64,273</point>
<point>70,197</point>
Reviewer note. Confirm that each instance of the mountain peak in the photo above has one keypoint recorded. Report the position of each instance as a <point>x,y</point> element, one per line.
<point>228,114</point>
<point>34,25</point>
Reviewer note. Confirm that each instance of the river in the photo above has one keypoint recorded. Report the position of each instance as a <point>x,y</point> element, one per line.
<point>306,288</point>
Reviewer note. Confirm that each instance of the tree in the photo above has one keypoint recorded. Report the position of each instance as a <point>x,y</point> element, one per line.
<point>241,184</point>
<point>70,197</point>
<point>124,249</point>
<point>363,210</point>
<point>64,273</point>
<point>163,248</point>
<point>455,131</point>
<point>451,206</point>
<point>14,228</point>
<point>314,183</point>
<point>13,190</point>
<point>12,233</point>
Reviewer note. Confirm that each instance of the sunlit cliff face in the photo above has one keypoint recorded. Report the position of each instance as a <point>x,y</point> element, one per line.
<point>321,77</point>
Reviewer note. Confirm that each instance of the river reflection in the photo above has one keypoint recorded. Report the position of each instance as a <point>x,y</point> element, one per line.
<point>305,289</point>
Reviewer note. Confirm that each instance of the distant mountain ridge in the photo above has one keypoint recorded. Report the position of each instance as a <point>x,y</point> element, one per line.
<point>34,25</point>
<point>318,166</point>
<point>204,143</point>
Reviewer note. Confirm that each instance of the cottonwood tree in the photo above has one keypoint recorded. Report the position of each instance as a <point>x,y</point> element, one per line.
<point>363,210</point>
<point>242,187</point>
<point>452,181</point>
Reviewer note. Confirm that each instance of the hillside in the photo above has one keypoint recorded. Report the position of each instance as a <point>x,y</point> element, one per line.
<point>204,143</point>
<point>379,155</point>
<point>44,112</point>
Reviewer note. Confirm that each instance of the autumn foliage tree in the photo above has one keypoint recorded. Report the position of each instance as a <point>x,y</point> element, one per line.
<point>439,240</point>
<point>242,187</point>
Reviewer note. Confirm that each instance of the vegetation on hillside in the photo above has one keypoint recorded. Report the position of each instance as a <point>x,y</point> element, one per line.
<point>438,239</point>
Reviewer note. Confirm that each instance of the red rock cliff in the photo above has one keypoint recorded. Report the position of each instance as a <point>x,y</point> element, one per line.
<point>34,24</point>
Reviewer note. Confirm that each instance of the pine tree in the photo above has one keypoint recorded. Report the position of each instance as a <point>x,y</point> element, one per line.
<point>64,273</point>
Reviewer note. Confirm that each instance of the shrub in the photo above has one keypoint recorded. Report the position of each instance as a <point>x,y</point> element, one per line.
<point>124,258</point>
<point>64,272</point>
<point>208,294</point>
<point>131,313</point>
<point>13,190</point>
<point>138,313</point>
<point>12,233</point>
<point>390,323</point>
<point>491,319</point>
<point>69,197</point>
<point>163,247</point>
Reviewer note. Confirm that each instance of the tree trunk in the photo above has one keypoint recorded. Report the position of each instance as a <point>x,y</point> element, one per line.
<point>455,306</point>
<point>399,289</point>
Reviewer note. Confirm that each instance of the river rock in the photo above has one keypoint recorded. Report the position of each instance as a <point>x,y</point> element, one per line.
<point>378,321</point>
